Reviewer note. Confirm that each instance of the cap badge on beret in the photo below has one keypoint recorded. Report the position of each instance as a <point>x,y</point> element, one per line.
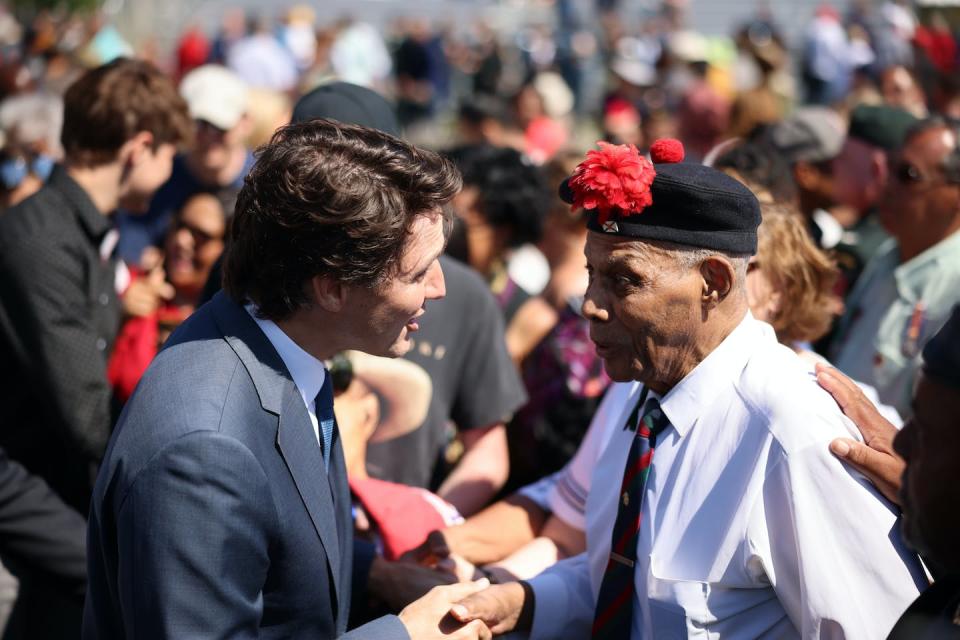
<point>617,179</point>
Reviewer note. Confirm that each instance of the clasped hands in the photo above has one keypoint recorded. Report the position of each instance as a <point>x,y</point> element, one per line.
<point>474,607</point>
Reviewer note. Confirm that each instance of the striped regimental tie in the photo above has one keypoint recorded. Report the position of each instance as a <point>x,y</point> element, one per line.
<point>613,617</point>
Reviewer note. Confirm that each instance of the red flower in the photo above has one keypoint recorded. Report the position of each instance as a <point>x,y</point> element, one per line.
<point>613,177</point>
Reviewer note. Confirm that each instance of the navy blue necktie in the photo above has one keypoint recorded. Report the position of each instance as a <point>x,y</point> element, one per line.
<point>323,405</point>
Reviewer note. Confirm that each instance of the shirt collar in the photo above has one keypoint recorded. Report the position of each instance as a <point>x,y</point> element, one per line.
<point>307,372</point>
<point>684,403</point>
<point>907,274</point>
<point>93,221</point>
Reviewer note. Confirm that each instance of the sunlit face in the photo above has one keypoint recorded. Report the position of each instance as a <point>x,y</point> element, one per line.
<point>194,243</point>
<point>213,147</point>
<point>151,169</point>
<point>644,310</point>
<point>385,317</point>
<point>919,204</point>
<point>930,443</point>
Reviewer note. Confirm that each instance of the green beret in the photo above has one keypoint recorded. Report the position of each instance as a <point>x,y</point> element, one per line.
<point>882,126</point>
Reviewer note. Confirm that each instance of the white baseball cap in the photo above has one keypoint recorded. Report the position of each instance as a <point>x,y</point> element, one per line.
<point>216,95</point>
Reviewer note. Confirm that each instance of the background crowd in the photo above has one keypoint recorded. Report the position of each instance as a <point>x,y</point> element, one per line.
<point>846,134</point>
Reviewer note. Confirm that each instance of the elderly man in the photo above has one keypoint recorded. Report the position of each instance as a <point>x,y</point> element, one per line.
<point>728,515</point>
<point>917,468</point>
<point>222,507</point>
<point>907,290</point>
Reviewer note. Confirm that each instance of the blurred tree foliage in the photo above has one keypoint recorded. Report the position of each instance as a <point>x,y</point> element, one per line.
<point>70,6</point>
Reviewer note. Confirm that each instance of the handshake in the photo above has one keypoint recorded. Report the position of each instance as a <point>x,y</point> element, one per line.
<point>455,605</point>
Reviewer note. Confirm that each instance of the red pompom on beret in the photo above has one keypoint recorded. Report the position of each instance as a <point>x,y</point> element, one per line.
<point>666,150</point>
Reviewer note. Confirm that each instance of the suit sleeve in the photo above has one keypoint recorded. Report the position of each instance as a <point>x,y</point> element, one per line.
<point>830,547</point>
<point>385,628</point>
<point>193,540</point>
<point>39,531</point>
<point>563,600</point>
<point>45,293</point>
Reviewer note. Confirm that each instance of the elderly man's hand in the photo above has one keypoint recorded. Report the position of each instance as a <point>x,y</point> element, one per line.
<point>874,457</point>
<point>429,617</point>
<point>502,607</point>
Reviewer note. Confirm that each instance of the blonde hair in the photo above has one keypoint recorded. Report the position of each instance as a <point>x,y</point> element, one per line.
<point>803,274</point>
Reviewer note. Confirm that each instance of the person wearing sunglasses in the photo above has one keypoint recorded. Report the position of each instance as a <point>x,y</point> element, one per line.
<point>907,290</point>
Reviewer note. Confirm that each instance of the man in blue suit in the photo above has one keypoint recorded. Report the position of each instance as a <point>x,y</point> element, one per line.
<point>222,508</point>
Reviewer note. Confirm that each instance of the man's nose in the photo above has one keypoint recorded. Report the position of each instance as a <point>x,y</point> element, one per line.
<point>593,311</point>
<point>436,284</point>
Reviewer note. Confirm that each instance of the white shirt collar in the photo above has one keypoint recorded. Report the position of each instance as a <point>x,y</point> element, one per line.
<point>308,373</point>
<point>682,404</point>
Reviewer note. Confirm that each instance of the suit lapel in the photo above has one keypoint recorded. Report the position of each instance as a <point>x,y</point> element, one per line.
<point>300,450</point>
<point>295,436</point>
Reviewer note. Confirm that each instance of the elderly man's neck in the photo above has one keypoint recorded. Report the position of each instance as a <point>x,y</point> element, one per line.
<point>717,324</point>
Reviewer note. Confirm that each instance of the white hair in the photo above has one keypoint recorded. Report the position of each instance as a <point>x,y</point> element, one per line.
<point>688,257</point>
<point>31,118</point>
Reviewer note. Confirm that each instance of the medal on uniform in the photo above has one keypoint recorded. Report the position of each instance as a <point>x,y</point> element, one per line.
<point>910,346</point>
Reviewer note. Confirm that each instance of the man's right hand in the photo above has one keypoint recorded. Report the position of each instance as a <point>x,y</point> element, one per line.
<point>874,457</point>
<point>429,617</point>
<point>503,607</point>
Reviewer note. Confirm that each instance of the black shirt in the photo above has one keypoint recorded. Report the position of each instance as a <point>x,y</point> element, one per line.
<point>462,348</point>
<point>59,315</point>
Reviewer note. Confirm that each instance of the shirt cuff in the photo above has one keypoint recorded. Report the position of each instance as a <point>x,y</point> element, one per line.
<point>550,598</point>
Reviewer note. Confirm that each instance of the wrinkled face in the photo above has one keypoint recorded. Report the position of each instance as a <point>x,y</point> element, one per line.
<point>385,317</point>
<point>644,310</point>
<point>930,443</point>
<point>194,243</point>
<point>919,204</point>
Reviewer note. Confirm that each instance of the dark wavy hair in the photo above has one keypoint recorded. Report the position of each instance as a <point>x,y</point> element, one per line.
<point>513,191</point>
<point>326,198</point>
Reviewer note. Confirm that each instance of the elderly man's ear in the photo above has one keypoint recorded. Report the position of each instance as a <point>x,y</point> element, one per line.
<point>718,280</point>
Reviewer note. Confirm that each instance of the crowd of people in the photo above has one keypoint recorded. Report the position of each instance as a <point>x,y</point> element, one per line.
<point>594,329</point>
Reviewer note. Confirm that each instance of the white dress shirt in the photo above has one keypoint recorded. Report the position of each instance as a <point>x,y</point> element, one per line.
<point>307,372</point>
<point>751,528</point>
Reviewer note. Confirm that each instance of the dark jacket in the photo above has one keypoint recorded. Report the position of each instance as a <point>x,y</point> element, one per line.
<point>59,314</point>
<point>213,515</point>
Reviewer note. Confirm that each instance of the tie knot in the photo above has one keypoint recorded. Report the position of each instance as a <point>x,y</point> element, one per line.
<point>654,418</point>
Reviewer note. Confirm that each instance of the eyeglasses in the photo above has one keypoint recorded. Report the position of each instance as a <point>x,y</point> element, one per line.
<point>200,237</point>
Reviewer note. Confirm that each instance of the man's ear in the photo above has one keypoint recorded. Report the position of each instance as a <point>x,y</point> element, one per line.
<point>133,150</point>
<point>329,293</point>
<point>718,276</point>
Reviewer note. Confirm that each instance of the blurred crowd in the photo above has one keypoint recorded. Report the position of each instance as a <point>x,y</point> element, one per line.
<point>848,135</point>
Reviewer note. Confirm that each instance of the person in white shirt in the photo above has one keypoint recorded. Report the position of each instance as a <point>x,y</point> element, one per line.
<point>747,526</point>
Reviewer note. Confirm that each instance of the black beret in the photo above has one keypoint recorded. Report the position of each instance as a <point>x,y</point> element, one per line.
<point>349,104</point>
<point>882,126</point>
<point>941,356</point>
<point>692,205</point>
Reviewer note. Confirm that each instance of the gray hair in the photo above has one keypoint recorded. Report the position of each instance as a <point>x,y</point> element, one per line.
<point>688,257</point>
<point>31,118</point>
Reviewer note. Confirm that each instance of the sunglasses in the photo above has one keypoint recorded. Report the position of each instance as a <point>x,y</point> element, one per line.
<point>908,175</point>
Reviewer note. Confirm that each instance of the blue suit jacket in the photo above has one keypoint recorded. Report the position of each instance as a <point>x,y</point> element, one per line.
<point>212,515</point>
